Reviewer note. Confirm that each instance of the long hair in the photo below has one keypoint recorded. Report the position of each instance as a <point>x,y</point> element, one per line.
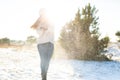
<point>40,19</point>
<point>35,25</point>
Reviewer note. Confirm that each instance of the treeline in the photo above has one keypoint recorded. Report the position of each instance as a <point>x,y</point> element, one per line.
<point>5,41</point>
<point>29,40</point>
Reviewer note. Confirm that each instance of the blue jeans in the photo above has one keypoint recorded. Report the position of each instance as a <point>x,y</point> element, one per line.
<point>45,51</point>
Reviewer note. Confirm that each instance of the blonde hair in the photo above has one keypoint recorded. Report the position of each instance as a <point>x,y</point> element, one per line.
<point>40,19</point>
<point>35,25</point>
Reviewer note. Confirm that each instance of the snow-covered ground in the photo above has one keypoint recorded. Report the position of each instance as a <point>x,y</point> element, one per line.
<point>25,65</point>
<point>113,51</point>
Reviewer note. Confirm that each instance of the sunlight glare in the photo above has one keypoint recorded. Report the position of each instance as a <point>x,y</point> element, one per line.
<point>56,11</point>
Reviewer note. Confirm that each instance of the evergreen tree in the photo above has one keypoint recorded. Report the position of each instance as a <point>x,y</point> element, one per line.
<point>103,43</point>
<point>118,35</point>
<point>80,36</point>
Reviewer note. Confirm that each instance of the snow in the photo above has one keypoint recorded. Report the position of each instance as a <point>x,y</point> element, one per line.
<point>113,51</point>
<point>25,65</point>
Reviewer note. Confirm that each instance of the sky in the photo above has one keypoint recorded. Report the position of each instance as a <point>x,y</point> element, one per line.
<point>16,16</point>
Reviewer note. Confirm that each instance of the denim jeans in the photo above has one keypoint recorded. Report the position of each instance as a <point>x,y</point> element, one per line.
<point>45,51</point>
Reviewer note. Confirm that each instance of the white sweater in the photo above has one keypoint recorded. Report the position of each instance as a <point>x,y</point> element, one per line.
<point>47,35</point>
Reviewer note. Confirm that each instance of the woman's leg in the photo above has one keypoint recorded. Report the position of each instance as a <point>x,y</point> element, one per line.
<point>42,51</point>
<point>49,55</point>
<point>46,51</point>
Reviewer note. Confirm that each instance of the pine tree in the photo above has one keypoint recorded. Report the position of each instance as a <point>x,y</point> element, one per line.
<point>80,36</point>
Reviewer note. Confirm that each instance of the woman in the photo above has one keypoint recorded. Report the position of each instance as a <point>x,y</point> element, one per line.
<point>45,41</point>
